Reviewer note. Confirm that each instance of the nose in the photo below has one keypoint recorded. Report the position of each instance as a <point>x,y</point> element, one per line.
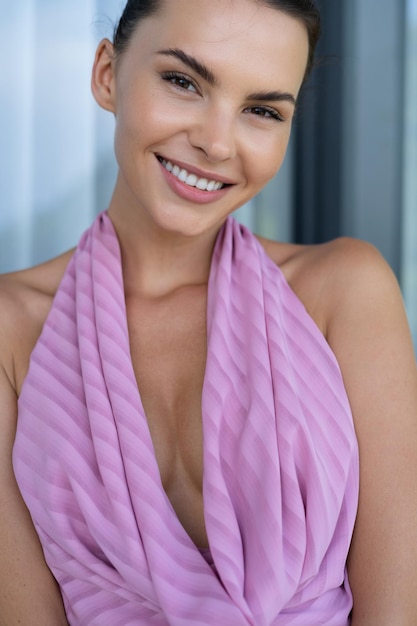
<point>214,133</point>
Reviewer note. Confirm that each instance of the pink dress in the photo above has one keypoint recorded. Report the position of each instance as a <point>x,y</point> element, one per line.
<point>280,455</point>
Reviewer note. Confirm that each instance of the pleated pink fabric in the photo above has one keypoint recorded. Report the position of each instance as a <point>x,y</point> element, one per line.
<point>280,455</point>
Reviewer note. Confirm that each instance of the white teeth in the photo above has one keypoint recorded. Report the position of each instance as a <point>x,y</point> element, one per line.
<point>202,184</point>
<point>191,179</point>
<point>183,175</point>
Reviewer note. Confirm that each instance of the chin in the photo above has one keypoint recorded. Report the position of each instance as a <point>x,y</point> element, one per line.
<point>189,223</point>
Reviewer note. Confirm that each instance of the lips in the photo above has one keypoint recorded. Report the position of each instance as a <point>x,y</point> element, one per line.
<point>191,179</point>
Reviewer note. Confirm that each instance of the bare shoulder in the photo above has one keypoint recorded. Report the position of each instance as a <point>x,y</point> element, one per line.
<point>25,300</point>
<point>329,278</point>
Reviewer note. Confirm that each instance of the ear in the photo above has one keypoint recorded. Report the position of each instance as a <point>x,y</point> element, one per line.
<point>103,76</point>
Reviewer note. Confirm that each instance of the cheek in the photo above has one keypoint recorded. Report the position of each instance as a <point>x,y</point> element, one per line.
<point>267,157</point>
<point>142,122</point>
<point>136,127</point>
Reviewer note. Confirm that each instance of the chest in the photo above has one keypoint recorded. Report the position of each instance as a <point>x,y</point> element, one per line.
<point>168,348</point>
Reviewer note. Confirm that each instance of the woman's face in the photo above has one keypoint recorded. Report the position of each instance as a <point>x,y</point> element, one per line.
<point>203,99</point>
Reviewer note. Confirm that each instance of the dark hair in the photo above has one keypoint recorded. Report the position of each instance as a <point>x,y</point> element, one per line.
<point>134,12</point>
<point>137,10</point>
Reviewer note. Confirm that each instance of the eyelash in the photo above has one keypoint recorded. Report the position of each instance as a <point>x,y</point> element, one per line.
<point>176,78</point>
<point>271,113</point>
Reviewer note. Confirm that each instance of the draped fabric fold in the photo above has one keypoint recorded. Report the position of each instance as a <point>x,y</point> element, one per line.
<point>280,479</point>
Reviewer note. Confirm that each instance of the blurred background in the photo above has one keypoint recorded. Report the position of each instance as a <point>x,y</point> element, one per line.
<point>351,168</point>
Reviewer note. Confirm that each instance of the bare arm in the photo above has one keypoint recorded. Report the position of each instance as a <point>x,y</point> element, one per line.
<point>369,334</point>
<point>29,595</point>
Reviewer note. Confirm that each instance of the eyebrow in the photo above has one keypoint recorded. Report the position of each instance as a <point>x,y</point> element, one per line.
<point>198,67</point>
<point>205,73</point>
<point>273,96</point>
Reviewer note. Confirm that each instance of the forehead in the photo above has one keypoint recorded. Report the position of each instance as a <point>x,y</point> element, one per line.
<point>243,36</point>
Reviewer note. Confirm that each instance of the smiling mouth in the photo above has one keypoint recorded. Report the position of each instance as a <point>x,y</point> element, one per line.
<point>192,180</point>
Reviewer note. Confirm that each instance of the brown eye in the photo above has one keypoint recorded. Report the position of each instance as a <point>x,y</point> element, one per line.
<point>180,81</point>
<point>266,112</point>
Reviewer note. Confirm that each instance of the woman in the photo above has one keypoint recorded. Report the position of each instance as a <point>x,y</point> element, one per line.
<point>232,343</point>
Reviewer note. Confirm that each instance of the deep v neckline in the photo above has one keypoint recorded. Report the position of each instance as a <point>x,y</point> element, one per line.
<point>201,550</point>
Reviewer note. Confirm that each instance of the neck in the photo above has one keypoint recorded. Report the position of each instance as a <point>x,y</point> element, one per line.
<point>155,262</point>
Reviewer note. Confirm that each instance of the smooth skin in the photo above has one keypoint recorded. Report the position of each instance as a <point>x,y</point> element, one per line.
<point>223,130</point>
